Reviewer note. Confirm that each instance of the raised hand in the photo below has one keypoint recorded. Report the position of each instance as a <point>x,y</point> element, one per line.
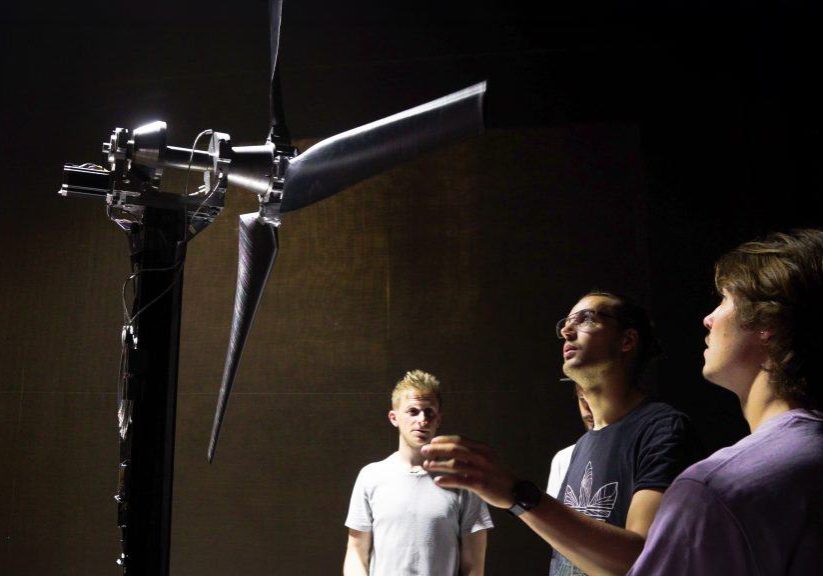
<point>472,465</point>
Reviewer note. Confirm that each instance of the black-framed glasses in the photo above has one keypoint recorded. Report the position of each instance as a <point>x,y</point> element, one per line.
<point>583,320</point>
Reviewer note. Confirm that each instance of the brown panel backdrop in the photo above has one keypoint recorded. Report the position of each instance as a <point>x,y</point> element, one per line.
<point>457,263</point>
<point>441,264</point>
<point>625,160</point>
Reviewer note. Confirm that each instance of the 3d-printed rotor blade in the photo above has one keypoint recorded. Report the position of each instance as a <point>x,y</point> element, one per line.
<point>279,133</point>
<point>258,249</point>
<point>342,160</point>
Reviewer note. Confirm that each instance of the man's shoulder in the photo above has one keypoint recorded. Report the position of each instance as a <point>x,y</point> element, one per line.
<point>654,417</point>
<point>788,453</point>
<point>656,409</point>
<point>385,462</point>
<point>379,468</point>
<point>562,456</point>
<point>648,420</point>
<point>658,421</point>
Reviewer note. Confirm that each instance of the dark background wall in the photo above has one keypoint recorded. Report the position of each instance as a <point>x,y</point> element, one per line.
<point>628,145</point>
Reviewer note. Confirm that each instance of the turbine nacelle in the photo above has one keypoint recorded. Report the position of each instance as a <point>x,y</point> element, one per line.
<point>135,161</point>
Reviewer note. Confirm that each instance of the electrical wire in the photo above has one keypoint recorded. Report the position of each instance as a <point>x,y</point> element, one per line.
<point>200,207</point>
<point>177,266</point>
<point>129,320</point>
<point>128,337</point>
<point>207,131</point>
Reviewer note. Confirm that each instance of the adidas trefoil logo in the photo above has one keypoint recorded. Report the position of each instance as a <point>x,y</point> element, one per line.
<point>598,506</point>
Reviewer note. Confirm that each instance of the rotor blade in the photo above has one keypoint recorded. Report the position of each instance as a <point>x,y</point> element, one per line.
<point>342,160</point>
<point>279,134</point>
<point>258,249</point>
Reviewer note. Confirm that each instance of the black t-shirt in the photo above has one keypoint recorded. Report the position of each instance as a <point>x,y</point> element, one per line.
<point>646,449</point>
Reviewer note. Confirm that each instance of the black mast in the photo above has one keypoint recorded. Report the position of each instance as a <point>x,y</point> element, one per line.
<point>152,351</point>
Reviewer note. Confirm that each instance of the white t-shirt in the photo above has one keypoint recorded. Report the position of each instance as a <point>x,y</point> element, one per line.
<point>416,526</point>
<point>557,470</point>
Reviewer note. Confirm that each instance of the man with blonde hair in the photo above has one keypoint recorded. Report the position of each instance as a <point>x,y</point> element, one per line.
<point>400,522</point>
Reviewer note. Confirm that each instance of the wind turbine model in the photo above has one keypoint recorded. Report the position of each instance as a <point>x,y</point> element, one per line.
<point>159,226</point>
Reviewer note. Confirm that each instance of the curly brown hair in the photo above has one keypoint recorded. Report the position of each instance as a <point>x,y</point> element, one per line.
<point>777,284</point>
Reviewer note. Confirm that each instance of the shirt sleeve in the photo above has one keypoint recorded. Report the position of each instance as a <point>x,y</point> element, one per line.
<point>694,533</point>
<point>474,514</point>
<point>553,485</point>
<point>667,446</point>
<point>360,515</point>
<point>557,470</point>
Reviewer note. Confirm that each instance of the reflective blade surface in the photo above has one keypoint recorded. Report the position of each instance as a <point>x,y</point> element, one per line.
<point>258,250</point>
<point>342,160</point>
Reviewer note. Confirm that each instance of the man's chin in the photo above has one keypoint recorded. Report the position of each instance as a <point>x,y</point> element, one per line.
<point>571,368</point>
<point>418,441</point>
<point>709,375</point>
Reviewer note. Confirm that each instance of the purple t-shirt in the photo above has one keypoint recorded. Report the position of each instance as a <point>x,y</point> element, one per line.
<point>755,508</point>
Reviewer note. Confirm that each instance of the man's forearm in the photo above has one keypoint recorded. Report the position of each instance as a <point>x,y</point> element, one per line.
<point>358,553</point>
<point>473,554</point>
<point>354,565</point>
<point>595,547</point>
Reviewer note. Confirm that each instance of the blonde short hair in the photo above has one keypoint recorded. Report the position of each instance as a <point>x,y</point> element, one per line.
<point>417,380</point>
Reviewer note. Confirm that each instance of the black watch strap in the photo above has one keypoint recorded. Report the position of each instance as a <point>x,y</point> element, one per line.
<point>526,496</point>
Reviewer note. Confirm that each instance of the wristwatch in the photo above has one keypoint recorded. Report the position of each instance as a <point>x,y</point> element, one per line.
<point>526,496</point>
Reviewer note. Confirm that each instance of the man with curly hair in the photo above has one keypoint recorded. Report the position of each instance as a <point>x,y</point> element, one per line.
<point>756,507</point>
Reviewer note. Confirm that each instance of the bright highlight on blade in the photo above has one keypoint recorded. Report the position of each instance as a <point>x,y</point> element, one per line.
<point>443,102</point>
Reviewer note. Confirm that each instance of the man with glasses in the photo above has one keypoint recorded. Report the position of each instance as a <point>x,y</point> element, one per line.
<point>618,470</point>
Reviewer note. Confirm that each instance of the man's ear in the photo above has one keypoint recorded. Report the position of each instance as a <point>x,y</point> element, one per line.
<point>393,418</point>
<point>630,339</point>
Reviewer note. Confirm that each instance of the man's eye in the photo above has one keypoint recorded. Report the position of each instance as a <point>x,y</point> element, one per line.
<point>587,316</point>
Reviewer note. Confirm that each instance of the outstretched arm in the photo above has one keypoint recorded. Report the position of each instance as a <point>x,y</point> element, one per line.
<point>473,554</point>
<point>358,552</point>
<point>594,547</point>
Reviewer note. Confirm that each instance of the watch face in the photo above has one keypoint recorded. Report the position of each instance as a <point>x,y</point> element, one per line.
<point>527,495</point>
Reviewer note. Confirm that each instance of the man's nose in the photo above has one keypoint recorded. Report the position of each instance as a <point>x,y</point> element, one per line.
<point>708,321</point>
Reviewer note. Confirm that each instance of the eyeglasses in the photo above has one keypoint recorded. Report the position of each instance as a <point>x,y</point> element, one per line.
<point>583,320</point>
